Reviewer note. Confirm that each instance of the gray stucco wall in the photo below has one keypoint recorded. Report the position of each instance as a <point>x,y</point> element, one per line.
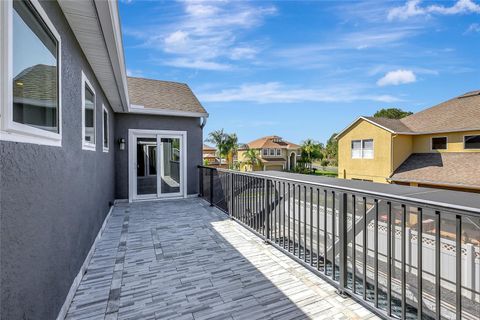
<point>123,122</point>
<point>53,199</point>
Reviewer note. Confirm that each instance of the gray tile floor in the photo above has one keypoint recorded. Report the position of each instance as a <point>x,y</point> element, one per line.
<point>181,259</point>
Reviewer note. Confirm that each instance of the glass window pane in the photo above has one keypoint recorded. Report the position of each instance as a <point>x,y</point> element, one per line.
<point>34,63</point>
<point>146,166</point>
<point>472,142</point>
<point>356,149</point>
<point>170,173</point>
<point>89,115</point>
<point>105,129</point>
<point>439,143</point>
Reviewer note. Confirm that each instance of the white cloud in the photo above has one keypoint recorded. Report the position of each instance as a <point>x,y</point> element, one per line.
<point>413,8</point>
<point>275,92</point>
<point>197,64</point>
<point>206,35</point>
<point>397,77</point>
<point>135,73</point>
<point>473,28</point>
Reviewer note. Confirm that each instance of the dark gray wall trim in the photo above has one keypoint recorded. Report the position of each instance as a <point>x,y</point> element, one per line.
<point>123,122</point>
<point>53,199</point>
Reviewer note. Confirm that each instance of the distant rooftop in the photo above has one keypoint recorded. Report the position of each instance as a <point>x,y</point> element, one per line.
<point>272,142</point>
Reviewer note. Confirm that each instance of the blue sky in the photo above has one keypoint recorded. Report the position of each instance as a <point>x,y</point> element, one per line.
<point>305,69</point>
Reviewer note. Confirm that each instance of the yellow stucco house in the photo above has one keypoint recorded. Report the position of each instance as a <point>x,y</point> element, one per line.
<point>438,147</point>
<point>274,154</point>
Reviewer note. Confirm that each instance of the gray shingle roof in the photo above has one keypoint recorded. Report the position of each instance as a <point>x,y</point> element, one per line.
<point>461,113</point>
<point>448,168</point>
<point>163,95</point>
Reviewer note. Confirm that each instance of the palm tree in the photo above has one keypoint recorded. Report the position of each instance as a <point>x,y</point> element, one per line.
<point>253,157</point>
<point>217,137</point>
<point>231,147</point>
<point>311,150</point>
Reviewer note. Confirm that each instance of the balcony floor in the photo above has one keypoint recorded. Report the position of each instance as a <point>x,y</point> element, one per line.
<point>181,259</point>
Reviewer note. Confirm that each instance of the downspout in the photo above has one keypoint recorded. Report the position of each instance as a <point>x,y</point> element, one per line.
<point>393,136</point>
<point>203,122</point>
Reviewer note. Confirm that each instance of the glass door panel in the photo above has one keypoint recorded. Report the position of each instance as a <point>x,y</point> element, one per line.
<point>146,166</point>
<point>170,161</point>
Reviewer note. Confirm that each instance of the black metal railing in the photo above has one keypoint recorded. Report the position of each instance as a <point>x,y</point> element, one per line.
<point>400,258</point>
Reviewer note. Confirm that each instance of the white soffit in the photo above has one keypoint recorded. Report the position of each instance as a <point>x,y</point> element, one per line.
<point>96,26</point>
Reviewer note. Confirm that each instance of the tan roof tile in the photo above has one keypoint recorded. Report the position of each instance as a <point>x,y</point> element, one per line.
<point>272,142</point>
<point>447,168</point>
<point>163,95</point>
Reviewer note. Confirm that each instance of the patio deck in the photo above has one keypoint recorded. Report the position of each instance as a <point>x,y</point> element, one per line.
<point>181,259</point>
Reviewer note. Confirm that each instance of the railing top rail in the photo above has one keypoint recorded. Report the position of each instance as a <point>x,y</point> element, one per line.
<point>436,198</point>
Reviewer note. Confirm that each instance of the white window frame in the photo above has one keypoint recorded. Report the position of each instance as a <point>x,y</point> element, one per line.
<point>431,143</point>
<point>271,152</point>
<point>265,152</point>
<point>105,110</point>
<point>464,142</point>
<point>88,145</point>
<point>9,129</point>
<point>361,149</point>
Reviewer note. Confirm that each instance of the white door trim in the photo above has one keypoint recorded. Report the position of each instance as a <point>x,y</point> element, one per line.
<point>132,134</point>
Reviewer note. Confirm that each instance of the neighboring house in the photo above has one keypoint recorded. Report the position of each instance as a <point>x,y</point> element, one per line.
<point>438,147</point>
<point>76,134</point>
<point>210,155</point>
<point>274,153</point>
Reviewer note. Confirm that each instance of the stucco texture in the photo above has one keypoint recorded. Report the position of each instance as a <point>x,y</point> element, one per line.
<point>377,169</point>
<point>53,199</point>
<point>123,122</point>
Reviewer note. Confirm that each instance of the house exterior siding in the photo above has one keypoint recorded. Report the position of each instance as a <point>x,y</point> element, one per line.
<point>422,143</point>
<point>376,169</point>
<point>53,199</point>
<point>123,122</point>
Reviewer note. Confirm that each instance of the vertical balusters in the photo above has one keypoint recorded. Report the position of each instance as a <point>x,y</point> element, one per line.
<point>458,265</point>
<point>375,274</point>
<point>354,243</point>
<point>311,226</point>
<point>325,235</point>
<point>419,262</point>
<point>288,217</point>
<point>403,249</point>
<point>284,222</point>
<point>299,221</point>
<point>304,223</point>
<point>318,229</point>
<point>333,235</point>
<point>437,264</point>
<point>389,258</point>
<point>365,248</point>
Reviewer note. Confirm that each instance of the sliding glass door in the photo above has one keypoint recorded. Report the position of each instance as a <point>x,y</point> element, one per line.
<point>157,165</point>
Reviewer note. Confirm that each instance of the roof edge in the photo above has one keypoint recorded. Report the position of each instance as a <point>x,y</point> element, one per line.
<point>362,118</point>
<point>165,112</point>
<point>437,183</point>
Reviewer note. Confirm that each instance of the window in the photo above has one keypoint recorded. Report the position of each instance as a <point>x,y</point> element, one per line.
<point>265,152</point>
<point>279,152</point>
<point>88,114</point>
<point>356,149</point>
<point>106,130</point>
<point>31,105</point>
<point>272,152</point>
<point>472,142</point>
<point>362,149</point>
<point>367,149</point>
<point>439,143</point>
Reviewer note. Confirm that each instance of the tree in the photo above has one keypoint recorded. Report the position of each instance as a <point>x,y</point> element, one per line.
<point>392,113</point>
<point>311,151</point>
<point>227,145</point>
<point>217,137</point>
<point>231,147</point>
<point>252,157</point>
<point>331,150</point>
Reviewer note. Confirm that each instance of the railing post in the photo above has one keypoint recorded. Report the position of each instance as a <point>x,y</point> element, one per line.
<point>232,196</point>
<point>267,210</point>
<point>342,236</point>
<point>200,181</point>
<point>211,187</point>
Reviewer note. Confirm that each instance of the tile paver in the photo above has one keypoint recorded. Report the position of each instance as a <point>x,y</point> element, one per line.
<point>181,259</point>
